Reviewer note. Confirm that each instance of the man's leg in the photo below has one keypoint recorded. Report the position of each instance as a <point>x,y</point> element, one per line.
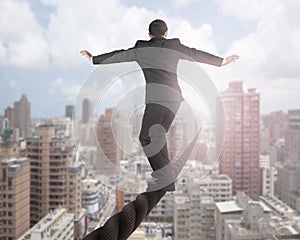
<point>152,125</point>
<point>163,116</point>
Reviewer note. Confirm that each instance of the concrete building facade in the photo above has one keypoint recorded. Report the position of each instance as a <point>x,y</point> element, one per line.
<point>219,187</point>
<point>22,115</point>
<point>233,211</point>
<point>55,178</point>
<point>239,158</point>
<point>287,187</point>
<point>14,197</point>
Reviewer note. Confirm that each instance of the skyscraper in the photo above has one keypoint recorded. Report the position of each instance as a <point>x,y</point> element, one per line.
<point>55,179</point>
<point>292,138</point>
<point>69,111</point>
<point>21,115</point>
<point>14,201</point>
<point>9,114</point>
<point>107,134</point>
<point>288,179</point>
<point>86,110</point>
<point>239,158</point>
<point>276,124</point>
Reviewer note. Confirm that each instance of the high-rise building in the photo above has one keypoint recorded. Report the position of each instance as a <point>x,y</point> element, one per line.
<point>14,201</point>
<point>292,138</point>
<point>55,178</point>
<point>264,140</point>
<point>277,152</point>
<point>9,114</point>
<point>86,110</point>
<point>239,158</point>
<point>107,134</point>
<point>21,115</point>
<point>276,124</point>
<point>287,187</point>
<point>69,111</point>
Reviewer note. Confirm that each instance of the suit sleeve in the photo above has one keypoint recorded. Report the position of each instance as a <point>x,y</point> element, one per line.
<point>117,56</point>
<point>199,56</point>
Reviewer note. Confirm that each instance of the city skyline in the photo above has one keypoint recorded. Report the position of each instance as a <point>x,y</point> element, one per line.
<point>40,51</point>
<point>71,151</point>
<point>207,204</point>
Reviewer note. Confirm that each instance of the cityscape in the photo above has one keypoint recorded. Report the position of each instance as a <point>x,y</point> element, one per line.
<point>71,154</point>
<point>245,185</point>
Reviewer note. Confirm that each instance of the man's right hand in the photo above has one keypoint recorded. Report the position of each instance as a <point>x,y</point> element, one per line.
<point>86,54</point>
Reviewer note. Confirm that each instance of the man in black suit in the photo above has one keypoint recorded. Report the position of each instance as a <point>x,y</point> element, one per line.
<point>159,59</point>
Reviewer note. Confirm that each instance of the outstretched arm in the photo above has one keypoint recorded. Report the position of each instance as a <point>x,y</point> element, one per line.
<point>112,57</point>
<point>204,57</point>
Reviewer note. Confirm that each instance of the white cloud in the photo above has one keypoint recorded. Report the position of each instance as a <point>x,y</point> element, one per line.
<point>181,3</point>
<point>67,88</point>
<point>77,25</point>
<point>248,10</point>
<point>2,53</point>
<point>12,84</point>
<point>22,42</point>
<point>199,38</point>
<point>269,58</point>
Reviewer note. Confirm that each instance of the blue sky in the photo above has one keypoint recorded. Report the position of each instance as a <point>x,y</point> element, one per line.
<point>40,42</point>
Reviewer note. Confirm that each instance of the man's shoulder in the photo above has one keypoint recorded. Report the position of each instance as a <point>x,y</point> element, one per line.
<point>142,43</point>
<point>148,43</point>
<point>174,40</point>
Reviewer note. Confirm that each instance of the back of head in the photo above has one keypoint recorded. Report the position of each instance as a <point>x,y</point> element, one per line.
<point>158,28</point>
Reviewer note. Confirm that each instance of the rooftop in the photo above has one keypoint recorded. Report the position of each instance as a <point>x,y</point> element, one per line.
<point>213,178</point>
<point>279,206</point>
<point>13,161</point>
<point>51,224</point>
<point>228,206</point>
<point>232,206</point>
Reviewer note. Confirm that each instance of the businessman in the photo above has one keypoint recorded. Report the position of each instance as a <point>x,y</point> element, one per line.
<point>158,59</point>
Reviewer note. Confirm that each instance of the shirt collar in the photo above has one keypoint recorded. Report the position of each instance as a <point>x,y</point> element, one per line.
<point>156,38</point>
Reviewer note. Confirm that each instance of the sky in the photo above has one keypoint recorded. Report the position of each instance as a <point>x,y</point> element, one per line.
<point>40,42</point>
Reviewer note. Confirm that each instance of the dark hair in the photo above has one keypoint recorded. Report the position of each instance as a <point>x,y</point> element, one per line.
<point>158,28</point>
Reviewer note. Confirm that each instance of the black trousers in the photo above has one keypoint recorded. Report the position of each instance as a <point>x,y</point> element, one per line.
<point>156,122</point>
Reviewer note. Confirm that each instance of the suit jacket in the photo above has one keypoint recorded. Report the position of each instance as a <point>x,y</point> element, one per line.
<point>159,59</point>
